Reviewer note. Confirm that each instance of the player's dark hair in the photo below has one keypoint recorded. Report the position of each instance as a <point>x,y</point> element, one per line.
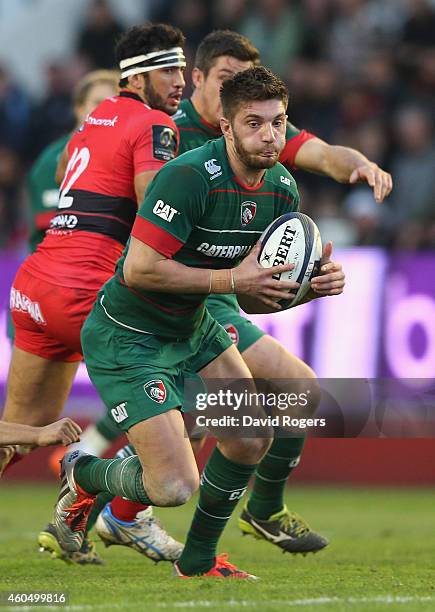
<point>84,86</point>
<point>224,42</point>
<point>257,83</point>
<point>145,38</point>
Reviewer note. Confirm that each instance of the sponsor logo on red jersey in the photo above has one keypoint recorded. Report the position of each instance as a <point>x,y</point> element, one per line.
<point>65,221</point>
<point>19,301</point>
<point>164,142</point>
<point>103,121</point>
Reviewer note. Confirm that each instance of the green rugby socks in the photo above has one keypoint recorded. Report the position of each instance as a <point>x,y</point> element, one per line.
<point>267,496</point>
<point>223,483</point>
<point>117,476</point>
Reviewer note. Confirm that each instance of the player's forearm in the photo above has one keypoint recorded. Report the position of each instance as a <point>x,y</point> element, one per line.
<point>14,433</point>
<point>169,276</point>
<point>339,162</point>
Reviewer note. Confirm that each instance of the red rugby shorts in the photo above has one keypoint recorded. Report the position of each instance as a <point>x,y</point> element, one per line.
<point>48,318</point>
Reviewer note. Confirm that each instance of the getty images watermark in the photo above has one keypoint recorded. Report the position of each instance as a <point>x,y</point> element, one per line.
<point>252,408</point>
<point>335,408</point>
<point>244,401</point>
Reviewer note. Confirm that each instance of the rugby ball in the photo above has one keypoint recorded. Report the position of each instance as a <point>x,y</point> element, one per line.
<point>292,238</point>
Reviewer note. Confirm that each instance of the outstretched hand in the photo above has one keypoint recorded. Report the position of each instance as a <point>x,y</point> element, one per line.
<point>378,179</point>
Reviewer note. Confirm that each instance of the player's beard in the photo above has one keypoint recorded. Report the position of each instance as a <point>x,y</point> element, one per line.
<point>154,99</point>
<point>254,160</point>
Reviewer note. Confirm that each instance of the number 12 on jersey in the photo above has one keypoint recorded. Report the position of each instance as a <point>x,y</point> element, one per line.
<point>77,164</point>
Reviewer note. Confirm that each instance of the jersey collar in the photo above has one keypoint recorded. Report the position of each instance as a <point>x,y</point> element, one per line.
<point>208,128</point>
<point>126,93</point>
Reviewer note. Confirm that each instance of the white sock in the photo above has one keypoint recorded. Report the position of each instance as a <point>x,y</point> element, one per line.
<point>92,442</point>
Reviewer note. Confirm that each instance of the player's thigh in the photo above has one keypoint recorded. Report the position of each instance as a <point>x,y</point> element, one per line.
<point>228,365</point>
<point>264,356</point>
<point>268,359</point>
<point>226,311</point>
<point>233,373</point>
<point>37,388</point>
<point>140,379</point>
<point>170,474</point>
<point>70,311</point>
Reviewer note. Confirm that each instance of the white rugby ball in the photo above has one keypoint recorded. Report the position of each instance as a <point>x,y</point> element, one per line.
<point>295,239</point>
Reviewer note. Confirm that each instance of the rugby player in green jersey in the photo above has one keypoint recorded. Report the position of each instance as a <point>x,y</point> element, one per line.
<point>150,329</point>
<point>220,55</point>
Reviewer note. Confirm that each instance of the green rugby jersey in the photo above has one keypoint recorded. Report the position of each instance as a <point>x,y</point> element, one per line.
<point>195,131</point>
<point>43,190</point>
<point>196,211</point>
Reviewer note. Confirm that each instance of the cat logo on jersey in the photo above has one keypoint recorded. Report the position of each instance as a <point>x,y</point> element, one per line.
<point>232,332</point>
<point>119,413</point>
<point>164,211</point>
<point>247,212</point>
<point>156,390</point>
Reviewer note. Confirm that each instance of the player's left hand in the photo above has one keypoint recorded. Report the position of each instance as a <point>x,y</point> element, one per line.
<point>378,179</point>
<point>331,279</point>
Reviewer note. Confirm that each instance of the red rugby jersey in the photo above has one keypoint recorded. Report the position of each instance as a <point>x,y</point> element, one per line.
<point>121,138</point>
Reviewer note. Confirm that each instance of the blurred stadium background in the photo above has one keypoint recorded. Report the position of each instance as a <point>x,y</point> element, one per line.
<point>361,73</point>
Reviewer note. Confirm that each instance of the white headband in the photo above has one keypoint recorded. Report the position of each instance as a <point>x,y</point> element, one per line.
<point>153,61</point>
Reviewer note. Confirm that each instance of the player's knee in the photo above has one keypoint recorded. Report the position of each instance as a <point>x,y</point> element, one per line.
<point>175,491</point>
<point>246,450</point>
<point>306,389</point>
<point>258,447</point>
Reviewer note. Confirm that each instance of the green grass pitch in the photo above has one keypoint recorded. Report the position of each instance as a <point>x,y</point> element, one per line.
<point>381,557</point>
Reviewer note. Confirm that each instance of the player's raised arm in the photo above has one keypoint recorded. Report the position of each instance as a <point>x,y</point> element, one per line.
<point>344,165</point>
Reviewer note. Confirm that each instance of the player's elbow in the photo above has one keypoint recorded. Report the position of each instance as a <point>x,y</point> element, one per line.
<point>129,275</point>
<point>136,277</point>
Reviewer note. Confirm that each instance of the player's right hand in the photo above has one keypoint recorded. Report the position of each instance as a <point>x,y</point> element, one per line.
<point>62,432</point>
<point>250,278</point>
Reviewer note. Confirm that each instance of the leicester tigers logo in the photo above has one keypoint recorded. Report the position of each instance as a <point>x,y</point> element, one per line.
<point>247,212</point>
<point>232,332</point>
<point>156,390</point>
